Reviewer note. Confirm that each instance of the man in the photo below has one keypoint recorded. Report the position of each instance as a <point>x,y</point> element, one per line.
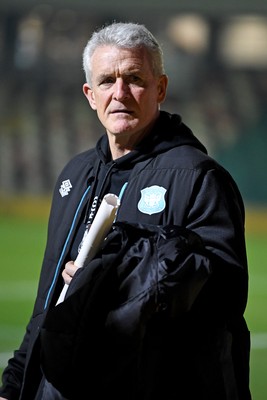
<point>158,313</point>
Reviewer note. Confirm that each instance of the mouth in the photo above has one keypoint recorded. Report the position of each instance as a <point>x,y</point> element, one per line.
<point>123,111</point>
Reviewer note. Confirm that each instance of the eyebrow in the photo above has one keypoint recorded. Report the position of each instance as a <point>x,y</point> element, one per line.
<point>102,76</point>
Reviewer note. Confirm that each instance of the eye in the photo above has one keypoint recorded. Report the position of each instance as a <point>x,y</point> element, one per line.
<point>134,79</point>
<point>108,80</point>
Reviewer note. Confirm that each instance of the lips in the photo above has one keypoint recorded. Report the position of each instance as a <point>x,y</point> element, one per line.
<point>121,112</point>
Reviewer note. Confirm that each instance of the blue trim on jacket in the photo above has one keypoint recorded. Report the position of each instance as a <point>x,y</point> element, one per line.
<point>64,248</point>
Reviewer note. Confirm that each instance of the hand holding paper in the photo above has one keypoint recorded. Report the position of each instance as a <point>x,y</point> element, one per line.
<point>97,233</point>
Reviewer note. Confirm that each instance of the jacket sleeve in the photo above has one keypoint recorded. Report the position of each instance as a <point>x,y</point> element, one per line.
<point>13,374</point>
<point>217,215</point>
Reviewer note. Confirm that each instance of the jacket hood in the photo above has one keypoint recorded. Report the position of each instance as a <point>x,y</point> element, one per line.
<point>168,132</point>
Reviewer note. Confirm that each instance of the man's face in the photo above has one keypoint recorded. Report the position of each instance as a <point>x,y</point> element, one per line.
<point>125,93</point>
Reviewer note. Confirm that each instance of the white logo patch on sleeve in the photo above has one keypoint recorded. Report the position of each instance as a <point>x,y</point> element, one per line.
<point>65,188</point>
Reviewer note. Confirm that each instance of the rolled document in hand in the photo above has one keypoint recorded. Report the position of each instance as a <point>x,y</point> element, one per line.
<point>96,235</point>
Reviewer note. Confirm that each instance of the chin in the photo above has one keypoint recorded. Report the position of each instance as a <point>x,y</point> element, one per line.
<point>123,129</point>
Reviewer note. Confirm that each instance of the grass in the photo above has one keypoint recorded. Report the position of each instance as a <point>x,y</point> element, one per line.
<point>256,312</point>
<point>22,242</point>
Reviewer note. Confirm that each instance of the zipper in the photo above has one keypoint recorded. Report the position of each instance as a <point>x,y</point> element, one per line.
<point>92,208</point>
<point>64,247</point>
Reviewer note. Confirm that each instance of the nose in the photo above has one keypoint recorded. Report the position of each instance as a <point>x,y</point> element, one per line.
<point>121,90</point>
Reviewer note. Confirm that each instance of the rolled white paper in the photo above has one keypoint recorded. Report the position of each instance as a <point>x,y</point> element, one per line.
<point>96,234</point>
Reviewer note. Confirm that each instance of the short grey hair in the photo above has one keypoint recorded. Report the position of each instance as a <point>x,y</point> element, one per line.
<point>124,35</point>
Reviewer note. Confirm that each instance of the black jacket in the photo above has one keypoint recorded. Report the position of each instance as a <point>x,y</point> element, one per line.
<point>169,181</point>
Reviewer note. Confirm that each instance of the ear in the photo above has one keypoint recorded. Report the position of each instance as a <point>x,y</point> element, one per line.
<point>162,88</point>
<point>89,94</point>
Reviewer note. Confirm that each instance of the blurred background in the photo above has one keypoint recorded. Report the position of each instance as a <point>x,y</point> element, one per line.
<point>216,59</point>
<point>215,56</point>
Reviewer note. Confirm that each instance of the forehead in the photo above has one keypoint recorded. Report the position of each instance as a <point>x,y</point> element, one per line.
<point>112,58</point>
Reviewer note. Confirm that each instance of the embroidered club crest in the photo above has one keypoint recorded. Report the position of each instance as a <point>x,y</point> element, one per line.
<point>152,200</point>
<point>65,188</point>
